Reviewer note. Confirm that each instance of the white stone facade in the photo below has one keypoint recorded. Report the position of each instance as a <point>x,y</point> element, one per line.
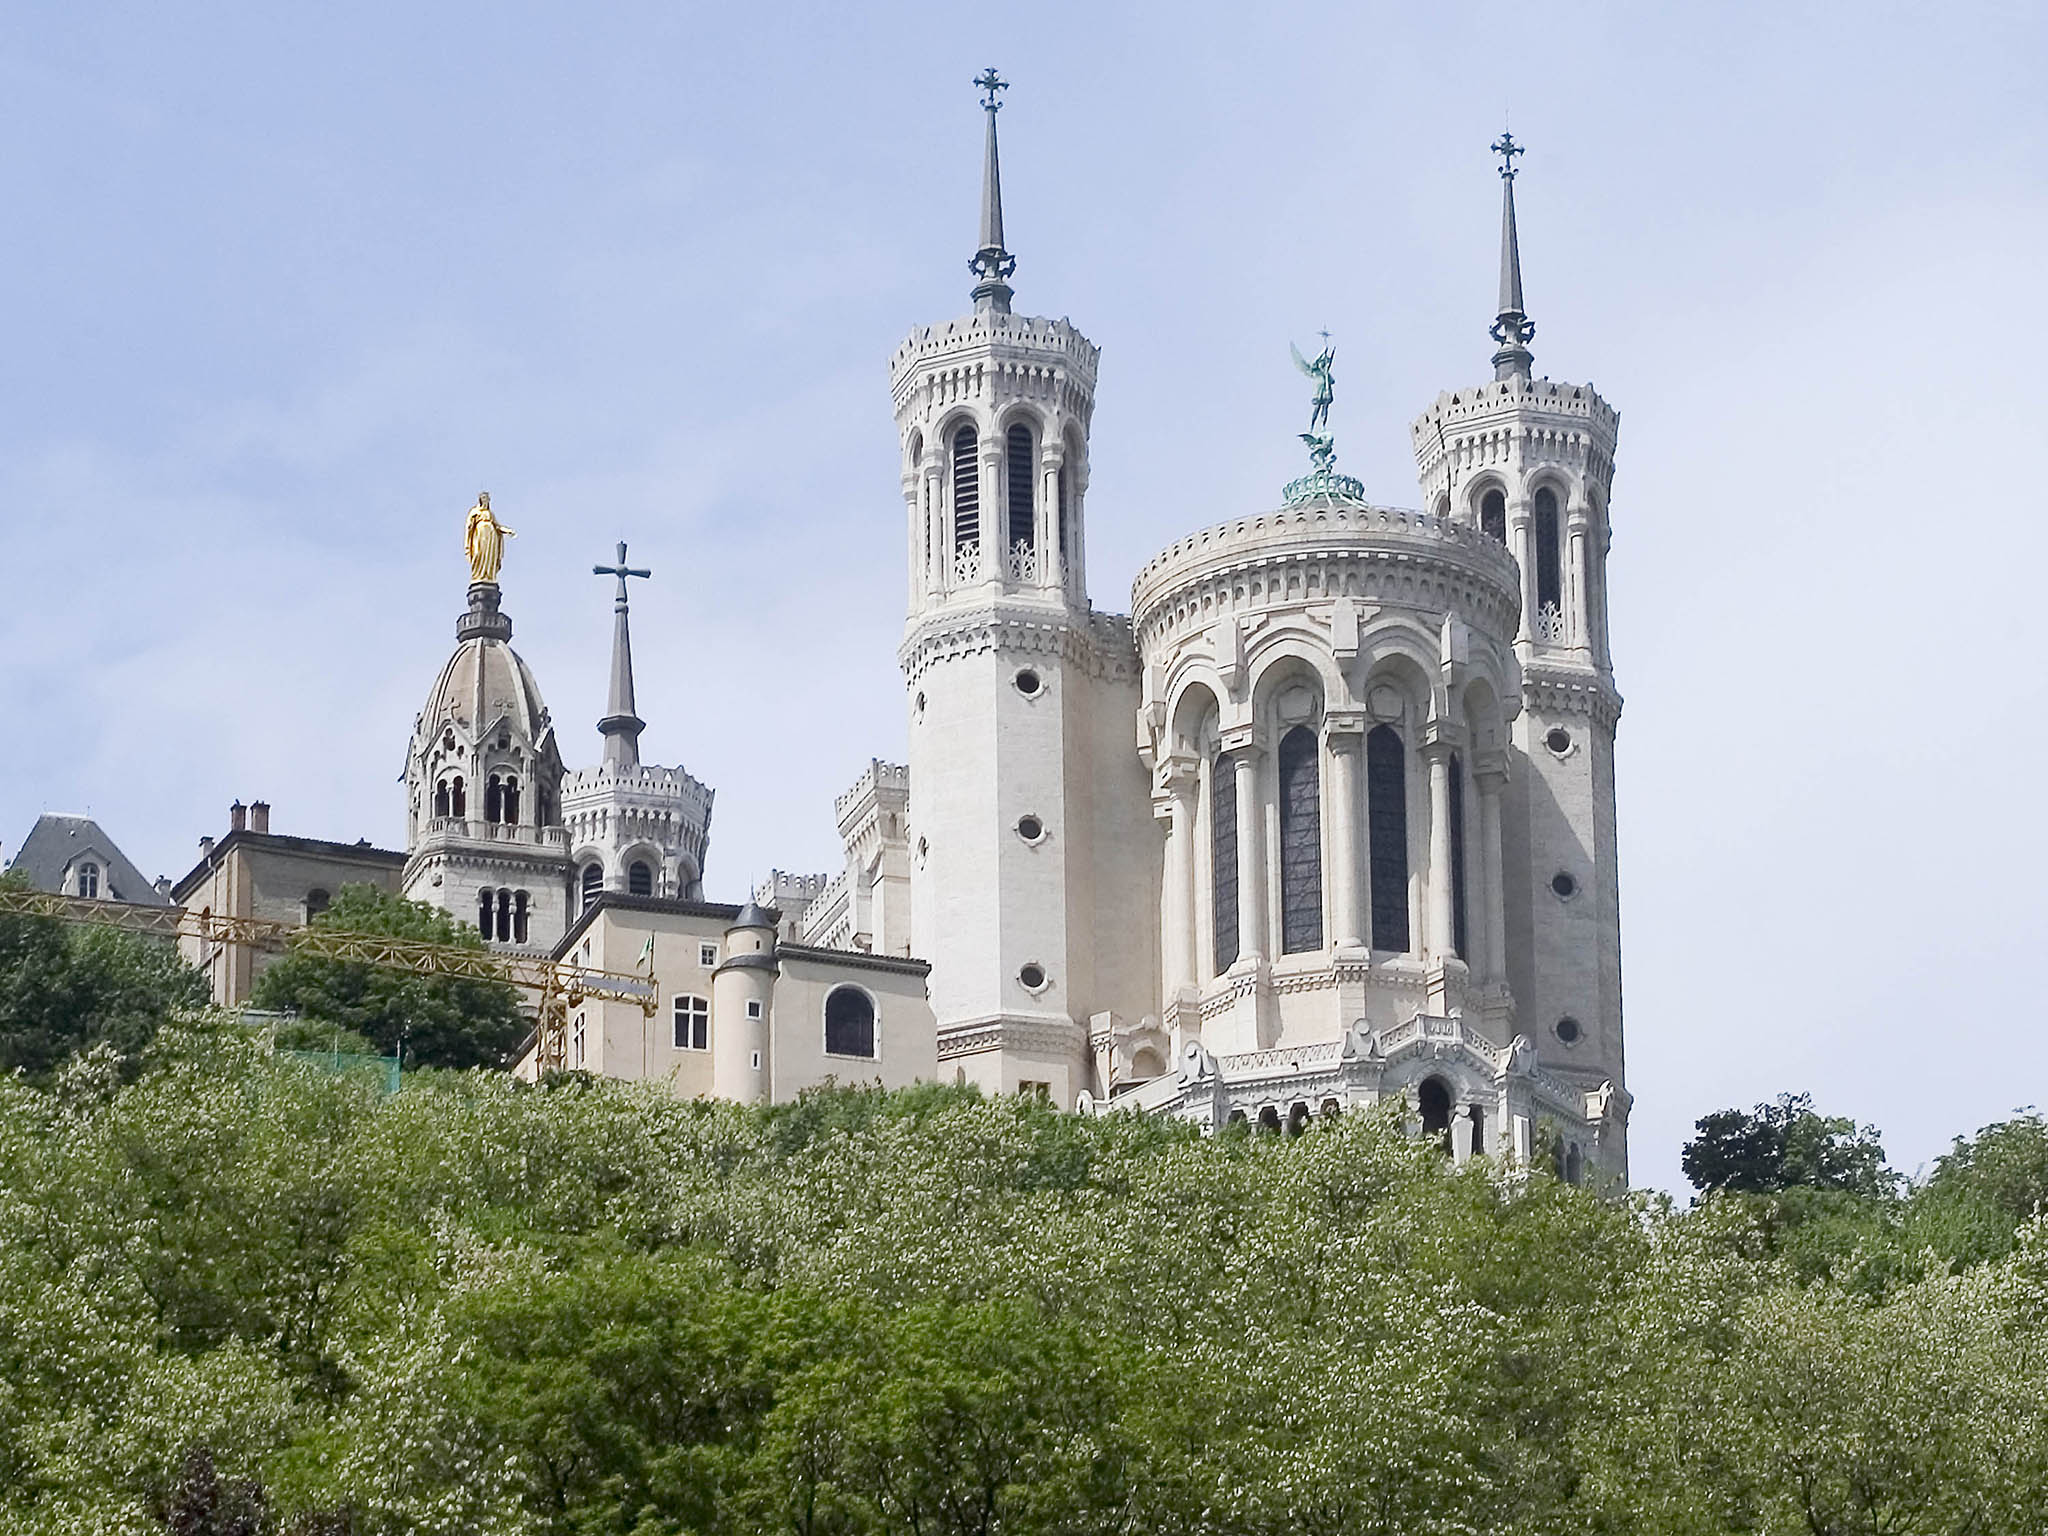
<point>658,818</point>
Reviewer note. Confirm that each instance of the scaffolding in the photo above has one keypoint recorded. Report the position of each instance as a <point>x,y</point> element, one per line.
<point>555,985</point>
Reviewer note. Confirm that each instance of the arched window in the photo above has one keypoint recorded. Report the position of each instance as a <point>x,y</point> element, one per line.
<point>441,797</point>
<point>1023,529</point>
<point>486,913</point>
<point>1433,1098</point>
<point>849,1023</point>
<point>458,802</point>
<point>966,489</point>
<point>1223,858</point>
<point>493,800</point>
<point>1458,928</point>
<point>640,878</point>
<point>519,917</point>
<point>1301,842</point>
<point>1493,516</point>
<point>1548,589</point>
<point>508,807</point>
<point>593,882</point>
<point>89,880</point>
<point>317,902</point>
<point>1386,816</point>
<point>1478,1131</point>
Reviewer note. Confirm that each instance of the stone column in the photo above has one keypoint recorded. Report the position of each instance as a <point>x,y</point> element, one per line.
<point>920,560</point>
<point>1345,736</point>
<point>1177,905</point>
<point>1436,752</point>
<point>1579,628</point>
<point>1489,776</point>
<point>1521,539</point>
<point>1247,755</point>
<point>995,511</point>
<point>938,546</point>
<point>1051,557</point>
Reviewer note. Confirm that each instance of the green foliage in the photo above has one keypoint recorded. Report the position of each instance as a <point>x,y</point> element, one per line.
<point>477,1306</point>
<point>1785,1145</point>
<point>67,988</point>
<point>440,1021</point>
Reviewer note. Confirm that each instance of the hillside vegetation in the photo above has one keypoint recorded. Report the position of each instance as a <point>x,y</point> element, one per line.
<point>238,1292</point>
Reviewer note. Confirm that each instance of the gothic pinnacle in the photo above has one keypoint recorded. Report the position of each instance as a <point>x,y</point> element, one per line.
<point>1512,327</point>
<point>991,264</point>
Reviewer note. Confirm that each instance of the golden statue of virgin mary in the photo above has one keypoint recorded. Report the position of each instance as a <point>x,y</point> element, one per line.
<point>484,540</point>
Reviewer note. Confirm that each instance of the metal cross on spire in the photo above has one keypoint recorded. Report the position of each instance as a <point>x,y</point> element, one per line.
<point>990,82</point>
<point>991,263</point>
<point>1506,147</point>
<point>621,724</point>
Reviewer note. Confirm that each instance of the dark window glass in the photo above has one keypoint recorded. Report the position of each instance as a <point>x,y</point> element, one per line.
<point>486,908</point>
<point>458,802</point>
<point>1223,858</point>
<point>1478,1131</point>
<point>504,917</point>
<point>89,880</point>
<point>493,801</point>
<point>640,879</point>
<point>1386,798</point>
<point>966,489</point>
<point>316,903</point>
<point>1434,1100</point>
<point>593,882</point>
<point>441,798</point>
<point>1493,516</point>
<point>1547,586</point>
<point>519,917</point>
<point>508,807</point>
<point>849,1023</point>
<point>1018,447</point>
<point>1459,933</point>
<point>1301,842</point>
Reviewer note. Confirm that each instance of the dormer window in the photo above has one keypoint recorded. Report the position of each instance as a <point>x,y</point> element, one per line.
<point>89,880</point>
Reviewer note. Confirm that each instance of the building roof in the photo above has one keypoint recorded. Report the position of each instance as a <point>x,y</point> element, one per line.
<point>55,842</point>
<point>277,842</point>
<point>667,906</point>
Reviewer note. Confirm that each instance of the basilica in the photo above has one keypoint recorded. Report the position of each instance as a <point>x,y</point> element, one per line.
<point>1327,818</point>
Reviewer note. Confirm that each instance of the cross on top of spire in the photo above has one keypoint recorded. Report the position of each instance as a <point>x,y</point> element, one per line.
<point>1506,147</point>
<point>991,262</point>
<point>620,570</point>
<point>990,82</point>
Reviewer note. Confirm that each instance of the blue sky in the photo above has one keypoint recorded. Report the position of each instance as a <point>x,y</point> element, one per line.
<point>285,286</point>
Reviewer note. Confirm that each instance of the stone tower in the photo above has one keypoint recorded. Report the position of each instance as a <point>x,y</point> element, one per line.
<point>1531,462</point>
<point>635,827</point>
<point>1031,849</point>
<point>483,775</point>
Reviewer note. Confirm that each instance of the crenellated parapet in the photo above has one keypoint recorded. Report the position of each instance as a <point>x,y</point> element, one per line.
<point>1510,427</point>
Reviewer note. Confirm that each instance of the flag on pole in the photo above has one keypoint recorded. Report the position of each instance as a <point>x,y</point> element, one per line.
<point>647,954</point>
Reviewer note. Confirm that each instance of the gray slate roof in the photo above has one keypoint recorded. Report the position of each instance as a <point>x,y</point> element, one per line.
<point>55,841</point>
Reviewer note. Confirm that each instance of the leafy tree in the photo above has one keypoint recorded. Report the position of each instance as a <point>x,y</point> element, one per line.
<point>1983,1190</point>
<point>441,1021</point>
<point>1786,1145</point>
<point>65,988</point>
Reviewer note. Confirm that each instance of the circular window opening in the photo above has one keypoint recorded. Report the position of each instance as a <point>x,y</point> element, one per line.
<point>1029,683</point>
<point>1033,977</point>
<point>1565,886</point>
<point>1559,740</point>
<point>1031,829</point>
<point>1568,1030</point>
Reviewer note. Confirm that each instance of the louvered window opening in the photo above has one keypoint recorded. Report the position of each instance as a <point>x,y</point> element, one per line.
<point>966,490</point>
<point>1223,859</point>
<point>1386,794</point>
<point>1548,587</point>
<point>1301,842</point>
<point>1023,528</point>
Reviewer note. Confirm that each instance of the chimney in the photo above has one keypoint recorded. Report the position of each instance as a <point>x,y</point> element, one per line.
<point>259,816</point>
<point>206,848</point>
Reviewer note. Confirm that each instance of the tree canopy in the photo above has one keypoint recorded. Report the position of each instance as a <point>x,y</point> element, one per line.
<point>477,1306</point>
<point>1785,1145</point>
<point>440,1021</point>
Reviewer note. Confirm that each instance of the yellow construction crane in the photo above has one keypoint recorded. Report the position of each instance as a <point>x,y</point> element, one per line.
<point>558,986</point>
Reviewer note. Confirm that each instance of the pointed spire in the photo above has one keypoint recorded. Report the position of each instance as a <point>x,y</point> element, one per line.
<point>1512,327</point>
<point>620,725</point>
<point>991,264</point>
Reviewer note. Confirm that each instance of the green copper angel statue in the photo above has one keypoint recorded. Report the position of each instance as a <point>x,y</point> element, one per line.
<point>1323,371</point>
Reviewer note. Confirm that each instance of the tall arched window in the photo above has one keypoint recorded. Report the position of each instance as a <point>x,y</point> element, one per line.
<point>441,797</point>
<point>1433,1098</point>
<point>593,882</point>
<point>1223,858</point>
<point>1301,842</point>
<point>458,802</point>
<point>1017,446</point>
<point>508,807</point>
<point>1386,817</point>
<point>486,913</point>
<point>493,800</point>
<point>519,917</point>
<point>849,1023</point>
<point>966,489</point>
<point>1493,516</point>
<point>1458,929</point>
<point>504,917</point>
<point>1548,589</point>
<point>640,878</point>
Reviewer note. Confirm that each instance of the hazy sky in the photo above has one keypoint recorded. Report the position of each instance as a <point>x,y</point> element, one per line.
<point>285,286</point>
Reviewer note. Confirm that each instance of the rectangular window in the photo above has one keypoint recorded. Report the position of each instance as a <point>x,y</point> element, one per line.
<point>1034,1090</point>
<point>707,955</point>
<point>576,1044</point>
<point>693,1024</point>
<point>753,1007</point>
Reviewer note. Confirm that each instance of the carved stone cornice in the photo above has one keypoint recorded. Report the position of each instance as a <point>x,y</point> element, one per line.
<point>1039,1037</point>
<point>1555,690</point>
<point>1098,645</point>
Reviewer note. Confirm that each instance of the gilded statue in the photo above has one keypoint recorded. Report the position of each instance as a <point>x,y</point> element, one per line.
<point>484,540</point>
